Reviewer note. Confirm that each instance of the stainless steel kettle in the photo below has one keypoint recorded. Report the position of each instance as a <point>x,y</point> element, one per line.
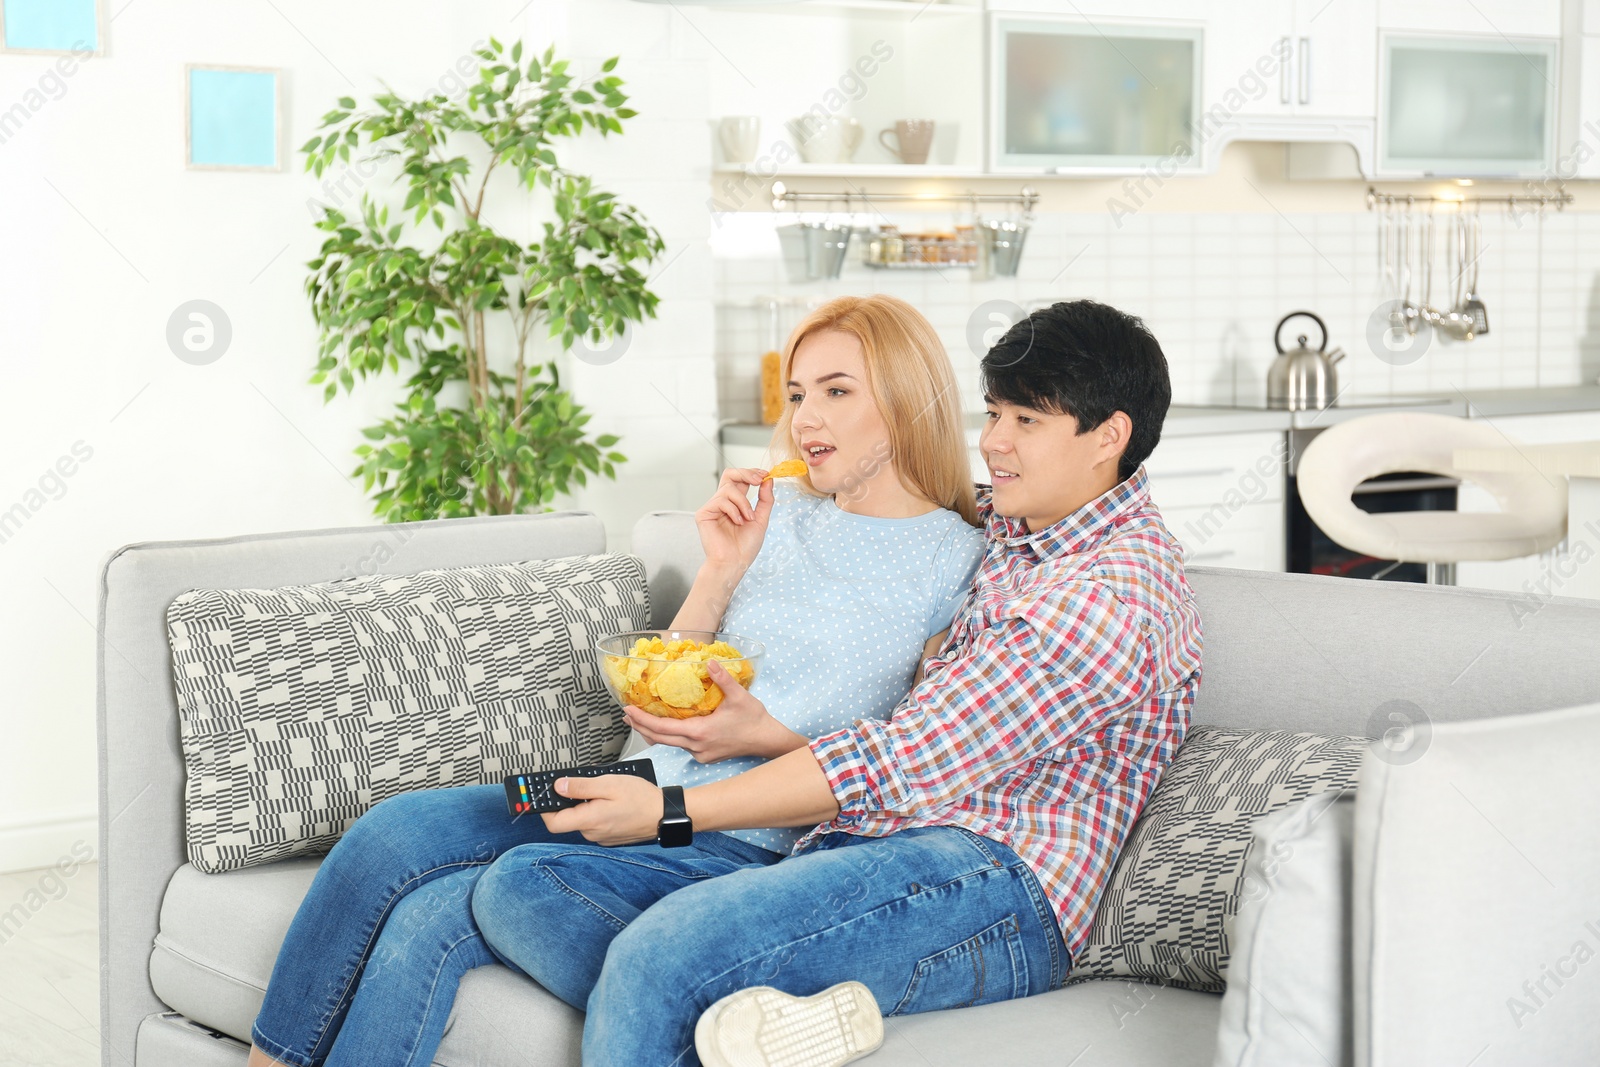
<point>1303,378</point>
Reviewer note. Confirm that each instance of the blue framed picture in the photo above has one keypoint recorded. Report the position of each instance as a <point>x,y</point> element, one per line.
<point>233,118</point>
<point>52,26</point>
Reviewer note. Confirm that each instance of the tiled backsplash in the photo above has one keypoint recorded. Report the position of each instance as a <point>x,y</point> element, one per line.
<point>1211,287</point>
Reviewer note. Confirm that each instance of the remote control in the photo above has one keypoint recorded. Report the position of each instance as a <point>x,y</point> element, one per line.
<point>535,791</point>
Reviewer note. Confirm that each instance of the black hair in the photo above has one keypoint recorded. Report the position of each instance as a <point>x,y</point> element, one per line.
<point>1087,360</point>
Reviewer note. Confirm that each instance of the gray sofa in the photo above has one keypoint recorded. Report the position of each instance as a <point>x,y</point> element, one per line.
<point>185,956</point>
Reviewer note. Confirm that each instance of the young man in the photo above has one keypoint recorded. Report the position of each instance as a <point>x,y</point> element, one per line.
<point>960,847</point>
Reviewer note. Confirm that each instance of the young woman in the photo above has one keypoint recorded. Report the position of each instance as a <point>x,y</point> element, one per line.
<point>849,577</point>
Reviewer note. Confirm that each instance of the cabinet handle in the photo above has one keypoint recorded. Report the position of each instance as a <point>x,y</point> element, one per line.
<point>1286,52</point>
<point>1305,70</point>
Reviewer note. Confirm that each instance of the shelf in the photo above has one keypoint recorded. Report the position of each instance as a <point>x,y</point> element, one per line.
<point>857,170</point>
<point>911,9</point>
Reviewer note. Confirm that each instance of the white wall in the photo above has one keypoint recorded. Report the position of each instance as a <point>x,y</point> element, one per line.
<point>105,233</point>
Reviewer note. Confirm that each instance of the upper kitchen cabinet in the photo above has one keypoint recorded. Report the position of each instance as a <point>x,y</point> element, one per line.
<point>1297,59</point>
<point>1581,152</point>
<point>1526,18</point>
<point>1084,95</point>
<point>1467,106</point>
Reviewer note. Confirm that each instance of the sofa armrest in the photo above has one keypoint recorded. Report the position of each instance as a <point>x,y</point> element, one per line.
<point>1476,895</point>
<point>141,764</point>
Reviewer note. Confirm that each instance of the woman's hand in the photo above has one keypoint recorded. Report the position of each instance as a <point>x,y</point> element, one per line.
<point>731,530</point>
<point>617,809</point>
<point>741,726</point>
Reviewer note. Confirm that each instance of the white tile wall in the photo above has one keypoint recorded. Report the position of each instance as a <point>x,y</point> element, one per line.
<point>1211,287</point>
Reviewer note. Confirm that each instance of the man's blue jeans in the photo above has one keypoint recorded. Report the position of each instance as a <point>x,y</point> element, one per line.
<point>369,969</point>
<point>928,918</point>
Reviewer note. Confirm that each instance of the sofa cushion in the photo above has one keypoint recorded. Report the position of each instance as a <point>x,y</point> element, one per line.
<point>1288,997</point>
<point>301,707</point>
<point>219,939</point>
<point>220,935</point>
<point>1178,878</point>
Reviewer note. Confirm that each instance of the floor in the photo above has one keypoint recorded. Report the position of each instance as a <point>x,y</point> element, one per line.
<point>50,968</point>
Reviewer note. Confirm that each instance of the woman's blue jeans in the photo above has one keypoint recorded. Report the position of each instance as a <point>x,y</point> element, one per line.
<point>927,918</point>
<point>369,969</point>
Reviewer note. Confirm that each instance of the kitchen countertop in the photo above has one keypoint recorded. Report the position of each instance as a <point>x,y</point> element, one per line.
<point>1204,419</point>
<point>1577,459</point>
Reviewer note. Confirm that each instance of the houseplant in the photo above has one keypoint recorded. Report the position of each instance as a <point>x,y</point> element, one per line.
<point>484,428</point>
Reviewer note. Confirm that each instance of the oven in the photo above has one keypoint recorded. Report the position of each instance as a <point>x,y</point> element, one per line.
<point>1310,551</point>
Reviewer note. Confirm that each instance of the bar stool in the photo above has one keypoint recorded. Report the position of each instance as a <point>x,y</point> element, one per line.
<point>1532,515</point>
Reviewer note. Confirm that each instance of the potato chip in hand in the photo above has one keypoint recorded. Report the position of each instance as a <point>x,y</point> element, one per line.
<point>789,468</point>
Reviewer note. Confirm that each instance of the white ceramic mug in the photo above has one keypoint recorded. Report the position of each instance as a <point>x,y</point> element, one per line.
<point>831,140</point>
<point>739,136</point>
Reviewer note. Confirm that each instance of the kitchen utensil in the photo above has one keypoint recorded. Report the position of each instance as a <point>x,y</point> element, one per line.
<point>1390,251</point>
<point>739,136</point>
<point>913,138</point>
<point>813,250</point>
<point>1002,245</point>
<point>1425,309</point>
<point>828,140</point>
<point>1303,378</point>
<point>1453,324</point>
<point>826,244</point>
<point>1409,254</point>
<point>1473,306</point>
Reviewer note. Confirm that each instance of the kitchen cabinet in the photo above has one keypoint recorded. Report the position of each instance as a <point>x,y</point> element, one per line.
<point>1466,106</point>
<point>1221,496</point>
<point>1317,59</point>
<point>1583,151</point>
<point>1529,575</point>
<point>1071,94</point>
<point>1490,17</point>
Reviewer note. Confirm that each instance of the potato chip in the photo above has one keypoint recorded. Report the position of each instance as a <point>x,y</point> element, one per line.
<point>789,468</point>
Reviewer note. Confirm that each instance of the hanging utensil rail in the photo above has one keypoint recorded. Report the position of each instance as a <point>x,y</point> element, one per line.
<point>781,195</point>
<point>1559,199</point>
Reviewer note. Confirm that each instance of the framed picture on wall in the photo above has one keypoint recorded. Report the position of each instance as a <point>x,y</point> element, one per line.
<point>50,27</point>
<point>233,117</point>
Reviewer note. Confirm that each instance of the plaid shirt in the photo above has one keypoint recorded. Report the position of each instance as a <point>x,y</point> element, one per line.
<point>1044,722</point>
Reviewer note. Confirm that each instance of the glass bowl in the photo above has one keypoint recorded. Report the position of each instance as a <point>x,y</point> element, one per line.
<point>669,677</point>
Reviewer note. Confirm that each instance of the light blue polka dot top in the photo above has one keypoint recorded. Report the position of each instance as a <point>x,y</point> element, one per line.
<point>844,604</point>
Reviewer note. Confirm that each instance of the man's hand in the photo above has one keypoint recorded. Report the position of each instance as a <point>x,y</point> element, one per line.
<point>741,726</point>
<point>617,809</point>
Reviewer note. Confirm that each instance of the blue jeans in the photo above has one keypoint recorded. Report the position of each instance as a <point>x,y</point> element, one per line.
<point>928,918</point>
<point>369,969</point>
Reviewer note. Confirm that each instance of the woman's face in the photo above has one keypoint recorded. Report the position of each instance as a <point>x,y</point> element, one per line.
<point>837,426</point>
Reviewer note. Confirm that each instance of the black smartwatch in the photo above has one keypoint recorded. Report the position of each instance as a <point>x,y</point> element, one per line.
<point>675,829</point>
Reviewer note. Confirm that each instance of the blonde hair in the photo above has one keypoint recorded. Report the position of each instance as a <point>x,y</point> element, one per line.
<point>914,387</point>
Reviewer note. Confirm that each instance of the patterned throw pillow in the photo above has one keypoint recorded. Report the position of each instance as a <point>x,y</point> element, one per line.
<point>299,708</point>
<point>1179,877</point>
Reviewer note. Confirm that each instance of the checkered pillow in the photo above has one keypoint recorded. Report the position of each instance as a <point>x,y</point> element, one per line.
<point>299,708</point>
<point>1177,882</point>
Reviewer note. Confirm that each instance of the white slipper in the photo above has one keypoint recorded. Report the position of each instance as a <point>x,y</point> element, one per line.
<point>764,1027</point>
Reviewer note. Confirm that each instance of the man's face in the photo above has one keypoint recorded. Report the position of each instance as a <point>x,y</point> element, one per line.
<point>1042,468</point>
